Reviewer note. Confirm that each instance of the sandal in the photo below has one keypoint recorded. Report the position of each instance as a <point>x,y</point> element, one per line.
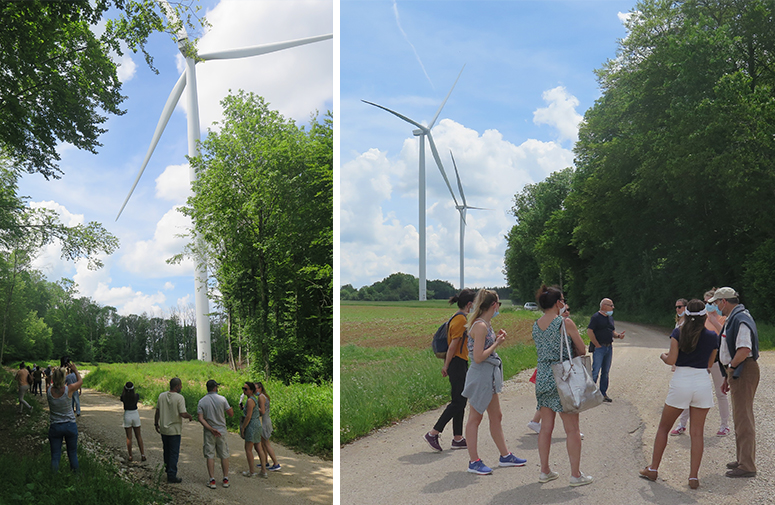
<point>694,482</point>
<point>143,458</point>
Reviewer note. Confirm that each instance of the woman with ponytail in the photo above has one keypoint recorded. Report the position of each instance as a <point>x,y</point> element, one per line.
<point>548,337</point>
<point>484,381</point>
<point>692,350</point>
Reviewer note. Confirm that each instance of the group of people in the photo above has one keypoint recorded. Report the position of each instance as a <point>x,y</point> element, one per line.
<point>212,409</point>
<point>715,341</point>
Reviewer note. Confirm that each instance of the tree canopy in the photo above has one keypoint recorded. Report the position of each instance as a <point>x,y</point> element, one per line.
<point>673,177</point>
<point>57,76</point>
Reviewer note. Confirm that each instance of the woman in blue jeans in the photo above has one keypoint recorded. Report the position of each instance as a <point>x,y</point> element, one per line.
<point>62,419</point>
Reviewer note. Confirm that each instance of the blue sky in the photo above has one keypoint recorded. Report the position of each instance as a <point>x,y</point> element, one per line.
<point>296,82</point>
<point>511,120</point>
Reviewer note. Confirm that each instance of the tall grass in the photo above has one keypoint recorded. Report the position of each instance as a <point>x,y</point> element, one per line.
<point>384,385</point>
<point>302,414</point>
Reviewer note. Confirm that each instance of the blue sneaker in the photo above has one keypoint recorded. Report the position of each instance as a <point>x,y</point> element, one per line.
<point>479,468</point>
<point>511,460</point>
<point>273,468</point>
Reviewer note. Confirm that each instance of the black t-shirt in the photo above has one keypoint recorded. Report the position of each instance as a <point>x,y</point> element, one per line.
<point>698,358</point>
<point>603,327</point>
<point>130,400</point>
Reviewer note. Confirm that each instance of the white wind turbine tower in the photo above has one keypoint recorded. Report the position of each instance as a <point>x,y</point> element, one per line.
<point>422,132</point>
<point>188,81</point>
<point>462,210</point>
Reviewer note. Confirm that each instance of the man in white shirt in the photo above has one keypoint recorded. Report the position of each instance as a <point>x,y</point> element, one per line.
<point>738,352</point>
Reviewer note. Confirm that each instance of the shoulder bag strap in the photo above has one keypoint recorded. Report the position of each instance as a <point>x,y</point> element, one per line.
<point>564,334</point>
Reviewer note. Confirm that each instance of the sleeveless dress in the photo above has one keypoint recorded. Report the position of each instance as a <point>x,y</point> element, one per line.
<point>266,422</point>
<point>253,429</point>
<point>484,379</point>
<point>548,343</point>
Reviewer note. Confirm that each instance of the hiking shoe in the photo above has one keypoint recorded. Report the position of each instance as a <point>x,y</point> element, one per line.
<point>678,430</point>
<point>225,482</point>
<point>739,472</point>
<point>174,480</point>
<point>511,460</point>
<point>248,474</point>
<point>459,444</point>
<point>723,431</point>
<point>732,465</point>
<point>607,400</point>
<point>534,426</point>
<point>273,468</point>
<point>478,467</point>
<point>547,477</point>
<point>211,484</point>
<point>433,441</point>
<point>581,480</point>
<point>264,475</point>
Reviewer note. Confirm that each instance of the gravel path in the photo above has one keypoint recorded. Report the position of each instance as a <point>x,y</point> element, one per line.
<point>395,465</point>
<point>303,479</point>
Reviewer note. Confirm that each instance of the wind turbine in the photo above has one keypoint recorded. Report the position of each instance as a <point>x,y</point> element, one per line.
<point>422,132</point>
<point>462,210</point>
<point>188,81</point>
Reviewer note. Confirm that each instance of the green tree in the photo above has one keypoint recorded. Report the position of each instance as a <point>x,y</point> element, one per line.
<point>56,73</point>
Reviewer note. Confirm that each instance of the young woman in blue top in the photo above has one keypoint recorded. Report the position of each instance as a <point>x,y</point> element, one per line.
<point>692,350</point>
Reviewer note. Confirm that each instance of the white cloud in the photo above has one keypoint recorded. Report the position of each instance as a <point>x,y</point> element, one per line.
<point>378,215</point>
<point>148,257</point>
<point>295,81</point>
<point>624,17</point>
<point>184,301</point>
<point>127,68</point>
<point>168,286</point>
<point>560,113</point>
<point>48,259</point>
<point>174,184</point>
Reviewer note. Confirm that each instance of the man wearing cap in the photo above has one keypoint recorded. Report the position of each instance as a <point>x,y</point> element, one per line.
<point>168,421</point>
<point>211,410</point>
<point>738,354</point>
<point>601,334</point>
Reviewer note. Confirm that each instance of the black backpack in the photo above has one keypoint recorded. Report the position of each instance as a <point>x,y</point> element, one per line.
<point>439,343</point>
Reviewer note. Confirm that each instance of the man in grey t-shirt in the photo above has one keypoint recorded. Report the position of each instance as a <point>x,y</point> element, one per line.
<point>212,410</point>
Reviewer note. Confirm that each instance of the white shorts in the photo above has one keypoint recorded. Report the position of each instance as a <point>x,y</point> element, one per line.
<point>131,419</point>
<point>690,387</point>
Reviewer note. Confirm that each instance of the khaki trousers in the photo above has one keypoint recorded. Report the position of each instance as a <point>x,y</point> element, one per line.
<point>742,391</point>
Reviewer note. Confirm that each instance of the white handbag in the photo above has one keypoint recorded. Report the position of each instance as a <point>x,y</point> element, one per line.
<point>578,392</point>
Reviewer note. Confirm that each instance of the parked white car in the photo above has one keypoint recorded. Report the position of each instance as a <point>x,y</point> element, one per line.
<point>531,306</point>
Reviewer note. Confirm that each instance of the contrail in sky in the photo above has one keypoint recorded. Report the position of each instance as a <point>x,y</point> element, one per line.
<point>398,22</point>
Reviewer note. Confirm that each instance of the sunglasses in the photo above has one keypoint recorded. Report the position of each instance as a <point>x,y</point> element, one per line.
<point>680,306</point>
<point>244,389</point>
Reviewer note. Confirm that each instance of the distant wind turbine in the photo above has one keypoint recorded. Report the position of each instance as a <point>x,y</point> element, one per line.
<point>422,132</point>
<point>462,210</point>
<point>188,80</point>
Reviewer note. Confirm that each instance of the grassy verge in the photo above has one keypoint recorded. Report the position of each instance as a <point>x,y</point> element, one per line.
<point>25,461</point>
<point>381,386</point>
<point>302,414</point>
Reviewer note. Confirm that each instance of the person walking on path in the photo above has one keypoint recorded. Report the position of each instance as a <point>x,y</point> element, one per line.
<point>250,430</point>
<point>22,379</point>
<point>548,334</point>
<point>266,427</point>
<point>601,334</point>
<point>738,352</point>
<point>76,403</point>
<point>212,410</point>
<point>37,380</point>
<point>693,351</point>
<point>129,397</point>
<point>62,426</point>
<point>484,381</point>
<point>455,367</point>
<point>170,410</point>
<point>714,322</point>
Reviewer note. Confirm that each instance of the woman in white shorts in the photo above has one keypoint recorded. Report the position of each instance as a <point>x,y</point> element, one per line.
<point>129,397</point>
<point>692,350</point>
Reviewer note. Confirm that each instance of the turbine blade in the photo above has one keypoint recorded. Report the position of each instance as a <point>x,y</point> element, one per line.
<point>166,113</point>
<point>441,167</point>
<point>445,99</point>
<point>246,52</point>
<point>411,121</point>
<point>459,184</point>
<point>477,208</point>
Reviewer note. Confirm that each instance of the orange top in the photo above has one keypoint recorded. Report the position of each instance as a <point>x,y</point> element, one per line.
<point>457,328</point>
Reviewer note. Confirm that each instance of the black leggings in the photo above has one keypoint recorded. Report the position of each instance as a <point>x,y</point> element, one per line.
<point>457,407</point>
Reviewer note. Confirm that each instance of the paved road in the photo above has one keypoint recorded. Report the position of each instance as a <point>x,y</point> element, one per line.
<point>303,479</point>
<point>395,465</point>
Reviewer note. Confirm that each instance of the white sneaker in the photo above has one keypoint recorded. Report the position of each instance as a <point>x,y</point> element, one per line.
<point>534,426</point>
<point>581,480</point>
<point>547,477</point>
